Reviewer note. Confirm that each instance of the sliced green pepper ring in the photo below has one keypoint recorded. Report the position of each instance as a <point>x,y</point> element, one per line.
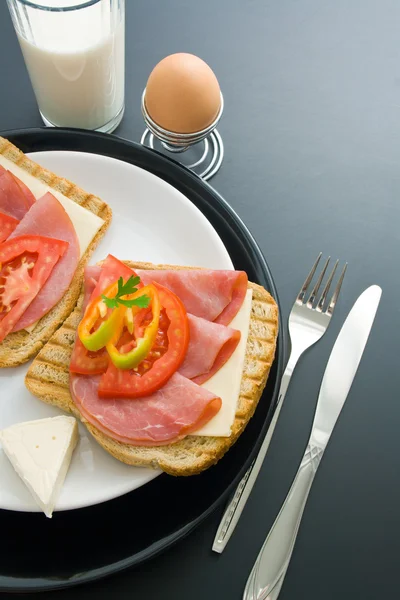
<point>109,329</point>
<point>130,318</point>
<point>131,359</point>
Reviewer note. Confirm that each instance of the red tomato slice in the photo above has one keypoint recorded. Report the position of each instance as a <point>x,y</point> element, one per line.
<point>161,344</point>
<point>164,361</point>
<point>29,197</point>
<point>7,226</point>
<point>88,363</point>
<point>127,342</point>
<point>26,263</point>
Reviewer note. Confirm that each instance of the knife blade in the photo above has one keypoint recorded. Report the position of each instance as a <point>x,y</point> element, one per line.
<point>267,575</point>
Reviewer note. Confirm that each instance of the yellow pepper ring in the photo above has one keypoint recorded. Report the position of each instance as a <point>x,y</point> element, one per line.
<point>131,359</point>
<point>108,329</point>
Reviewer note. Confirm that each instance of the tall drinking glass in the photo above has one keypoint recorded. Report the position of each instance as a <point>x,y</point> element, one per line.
<point>75,56</point>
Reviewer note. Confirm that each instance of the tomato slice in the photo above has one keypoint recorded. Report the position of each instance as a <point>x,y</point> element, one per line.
<point>161,364</point>
<point>26,263</point>
<point>88,363</point>
<point>160,346</point>
<point>7,226</point>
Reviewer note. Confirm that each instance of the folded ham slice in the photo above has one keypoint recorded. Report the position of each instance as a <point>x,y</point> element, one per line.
<point>13,201</point>
<point>91,278</point>
<point>48,217</point>
<point>7,226</point>
<point>211,346</point>
<point>177,409</point>
<point>212,295</point>
<point>29,197</point>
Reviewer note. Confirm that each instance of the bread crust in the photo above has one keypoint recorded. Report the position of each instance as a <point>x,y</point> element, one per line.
<point>17,348</point>
<point>48,379</point>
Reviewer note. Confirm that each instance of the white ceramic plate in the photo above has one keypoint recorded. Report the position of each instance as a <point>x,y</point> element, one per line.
<point>153,222</point>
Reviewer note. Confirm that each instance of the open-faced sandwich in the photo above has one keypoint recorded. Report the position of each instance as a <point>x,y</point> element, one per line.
<point>164,365</point>
<point>49,227</point>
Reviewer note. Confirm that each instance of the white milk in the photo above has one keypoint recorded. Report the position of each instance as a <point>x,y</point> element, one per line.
<point>76,66</point>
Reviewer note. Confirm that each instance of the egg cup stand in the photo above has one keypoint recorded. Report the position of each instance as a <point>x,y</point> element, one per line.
<point>177,143</point>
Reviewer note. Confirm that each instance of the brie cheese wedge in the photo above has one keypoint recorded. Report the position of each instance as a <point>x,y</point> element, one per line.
<point>40,452</point>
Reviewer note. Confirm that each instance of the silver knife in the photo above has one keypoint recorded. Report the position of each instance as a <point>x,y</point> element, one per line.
<point>267,576</point>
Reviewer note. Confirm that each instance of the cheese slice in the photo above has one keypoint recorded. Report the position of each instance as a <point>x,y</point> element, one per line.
<point>40,452</point>
<point>85,222</point>
<point>225,383</point>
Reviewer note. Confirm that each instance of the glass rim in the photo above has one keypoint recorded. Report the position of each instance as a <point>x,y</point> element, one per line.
<point>58,8</point>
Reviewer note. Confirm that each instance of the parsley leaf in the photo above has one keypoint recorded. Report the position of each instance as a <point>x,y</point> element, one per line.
<point>123,290</point>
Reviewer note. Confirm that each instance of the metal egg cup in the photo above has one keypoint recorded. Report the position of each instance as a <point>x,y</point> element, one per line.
<point>180,142</point>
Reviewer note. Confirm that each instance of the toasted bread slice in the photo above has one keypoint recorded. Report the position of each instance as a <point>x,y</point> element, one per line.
<point>19,347</point>
<point>48,379</point>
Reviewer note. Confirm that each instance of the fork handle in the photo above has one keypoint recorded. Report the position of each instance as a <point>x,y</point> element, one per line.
<point>237,503</point>
<point>270,568</point>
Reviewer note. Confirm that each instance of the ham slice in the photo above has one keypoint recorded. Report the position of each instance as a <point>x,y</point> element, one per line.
<point>7,226</point>
<point>29,197</point>
<point>211,346</point>
<point>177,409</point>
<point>12,199</point>
<point>91,278</point>
<point>212,295</point>
<point>48,217</point>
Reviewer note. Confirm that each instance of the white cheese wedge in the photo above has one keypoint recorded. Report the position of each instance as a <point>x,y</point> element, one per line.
<point>85,222</point>
<point>40,452</point>
<point>226,382</point>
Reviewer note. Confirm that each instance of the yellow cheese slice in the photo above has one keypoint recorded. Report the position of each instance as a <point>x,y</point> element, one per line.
<point>226,382</point>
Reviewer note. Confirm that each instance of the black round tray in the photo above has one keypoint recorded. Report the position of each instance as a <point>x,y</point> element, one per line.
<point>83,545</point>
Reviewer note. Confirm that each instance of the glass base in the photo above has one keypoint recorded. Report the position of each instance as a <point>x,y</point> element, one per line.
<point>107,128</point>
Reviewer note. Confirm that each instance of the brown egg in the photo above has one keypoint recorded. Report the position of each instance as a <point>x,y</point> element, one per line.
<point>182,94</point>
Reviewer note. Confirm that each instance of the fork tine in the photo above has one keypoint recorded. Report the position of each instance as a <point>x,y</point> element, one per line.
<point>317,285</point>
<point>325,291</point>
<point>307,282</point>
<point>336,293</point>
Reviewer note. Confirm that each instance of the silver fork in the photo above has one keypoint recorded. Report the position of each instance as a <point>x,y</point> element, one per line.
<point>308,321</point>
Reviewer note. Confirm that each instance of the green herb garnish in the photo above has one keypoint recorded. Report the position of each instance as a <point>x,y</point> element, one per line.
<point>125,289</point>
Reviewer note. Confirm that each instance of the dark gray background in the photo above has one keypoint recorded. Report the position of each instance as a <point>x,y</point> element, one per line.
<point>312,135</point>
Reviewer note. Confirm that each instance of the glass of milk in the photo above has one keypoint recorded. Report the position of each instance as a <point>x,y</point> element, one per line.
<point>75,56</point>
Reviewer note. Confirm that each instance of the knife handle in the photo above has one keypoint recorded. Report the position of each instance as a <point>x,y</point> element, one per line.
<point>238,501</point>
<point>273,560</point>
